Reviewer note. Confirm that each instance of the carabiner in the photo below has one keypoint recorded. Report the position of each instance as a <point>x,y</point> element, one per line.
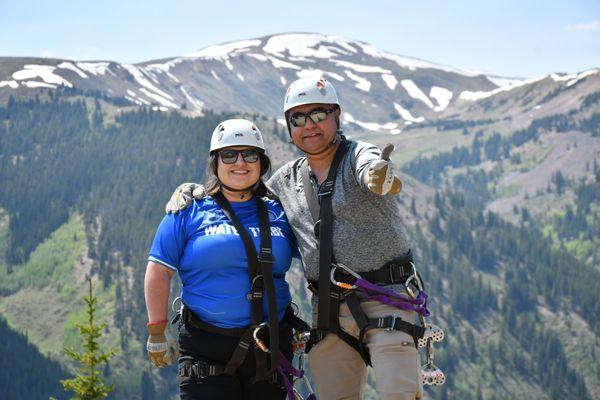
<point>261,345</point>
<point>345,286</point>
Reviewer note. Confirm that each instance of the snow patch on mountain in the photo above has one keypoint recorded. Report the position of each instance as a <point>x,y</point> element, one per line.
<point>442,96</point>
<point>371,126</point>
<point>98,68</point>
<point>307,45</point>
<point>361,68</point>
<point>413,91</point>
<point>258,56</point>
<point>406,115</point>
<point>361,83</point>
<point>10,84</point>
<point>390,81</point>
<point>162,69</point>
<point>317,72</point>
<point>223,51</point>
<point>43,72</point>
<point>70,66</point>
<point>36,84</point>
<point>198,104</point>
<point>335,76</point>
<point>214,75</point>
<point>277,63</point>
<point>474,96</point>
<point>298,45</point>
<point>573,78</point>
<point>139,76</point>
<point>135,98</point>
<point>159,98</point>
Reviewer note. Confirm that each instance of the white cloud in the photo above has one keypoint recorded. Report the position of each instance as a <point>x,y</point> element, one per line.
<point>584,26</point>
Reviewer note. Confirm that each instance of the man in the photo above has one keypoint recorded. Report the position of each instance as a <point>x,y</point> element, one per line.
<point>344,215</point>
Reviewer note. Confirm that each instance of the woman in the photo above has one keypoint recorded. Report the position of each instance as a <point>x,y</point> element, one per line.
<point>231,249</point>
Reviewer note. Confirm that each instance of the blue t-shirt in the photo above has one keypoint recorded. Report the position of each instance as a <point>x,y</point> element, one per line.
<point>203,246</point>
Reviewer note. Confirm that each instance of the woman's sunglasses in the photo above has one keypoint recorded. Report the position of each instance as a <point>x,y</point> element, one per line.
<point>318,115</point>
<point>230,156</point>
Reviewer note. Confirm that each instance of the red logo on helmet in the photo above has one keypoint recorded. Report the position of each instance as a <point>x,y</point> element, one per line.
<point>321,83</point>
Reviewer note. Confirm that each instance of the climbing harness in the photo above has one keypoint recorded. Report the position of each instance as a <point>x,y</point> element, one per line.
<point>339,283</point>
<point>260,269</point>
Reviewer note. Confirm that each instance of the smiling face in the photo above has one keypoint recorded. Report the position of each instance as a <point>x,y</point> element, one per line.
<point>315,137</point>
<point>241,174</point>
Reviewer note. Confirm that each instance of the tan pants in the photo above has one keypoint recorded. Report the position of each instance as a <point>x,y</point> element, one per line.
<point>339,372</point>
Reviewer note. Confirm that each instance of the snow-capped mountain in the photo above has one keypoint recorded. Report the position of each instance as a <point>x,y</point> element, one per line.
<point>252,75</point>
<point>379,91</point>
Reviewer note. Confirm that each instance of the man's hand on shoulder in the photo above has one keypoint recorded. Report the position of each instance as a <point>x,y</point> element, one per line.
<point>381,176</point>
<point>183,197</point>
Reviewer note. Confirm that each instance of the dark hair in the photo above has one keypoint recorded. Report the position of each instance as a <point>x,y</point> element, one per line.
<point>213,184</point>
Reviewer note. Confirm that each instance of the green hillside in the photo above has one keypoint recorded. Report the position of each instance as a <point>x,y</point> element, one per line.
<point>515,291</point>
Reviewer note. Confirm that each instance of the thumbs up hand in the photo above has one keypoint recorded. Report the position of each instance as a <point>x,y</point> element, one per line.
<point>381,175</point>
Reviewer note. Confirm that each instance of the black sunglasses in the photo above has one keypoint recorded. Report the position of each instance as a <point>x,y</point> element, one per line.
<point>318,115</point>
<point>230,156</point>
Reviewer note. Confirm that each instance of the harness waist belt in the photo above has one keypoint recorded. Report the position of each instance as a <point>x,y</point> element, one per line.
<point>189,318</point>
<point>394,271</point>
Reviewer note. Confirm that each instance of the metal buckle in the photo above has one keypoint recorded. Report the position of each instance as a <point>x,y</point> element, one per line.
<point>393,324</point>
<point>325,189</point>
<point>392,280</point>
<point>266,256</point>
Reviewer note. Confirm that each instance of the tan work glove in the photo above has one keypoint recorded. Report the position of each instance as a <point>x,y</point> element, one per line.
<point>381,175</point>
<point>183,197</point>
<point>162,347</point>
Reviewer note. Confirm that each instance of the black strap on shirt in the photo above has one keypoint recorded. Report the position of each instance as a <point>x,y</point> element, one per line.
<point>326,320</point>
<point>260,270</point>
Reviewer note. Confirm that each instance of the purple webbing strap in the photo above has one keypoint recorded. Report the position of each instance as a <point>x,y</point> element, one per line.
<point>285,368</point>
<point>385,296</point>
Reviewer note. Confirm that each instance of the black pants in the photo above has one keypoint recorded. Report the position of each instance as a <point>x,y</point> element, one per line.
<point>218,349</point>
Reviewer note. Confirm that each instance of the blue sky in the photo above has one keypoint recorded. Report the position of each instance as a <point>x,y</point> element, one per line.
<point>510,38</point>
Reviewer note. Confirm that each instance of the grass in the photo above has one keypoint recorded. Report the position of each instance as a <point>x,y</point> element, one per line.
<point>507,191</point>
<point>44,299</point>
<point>50,262</point>
<point>418,142</point>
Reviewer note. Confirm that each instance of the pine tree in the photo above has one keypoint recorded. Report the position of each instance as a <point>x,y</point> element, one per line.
<point>88,384</point>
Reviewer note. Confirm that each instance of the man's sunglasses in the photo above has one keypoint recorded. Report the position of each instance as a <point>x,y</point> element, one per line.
<point>318,115</point>
<point>230,156</point>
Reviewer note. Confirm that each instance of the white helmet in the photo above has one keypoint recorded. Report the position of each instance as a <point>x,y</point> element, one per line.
<point>310,90</point>
<point>236,132</point>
